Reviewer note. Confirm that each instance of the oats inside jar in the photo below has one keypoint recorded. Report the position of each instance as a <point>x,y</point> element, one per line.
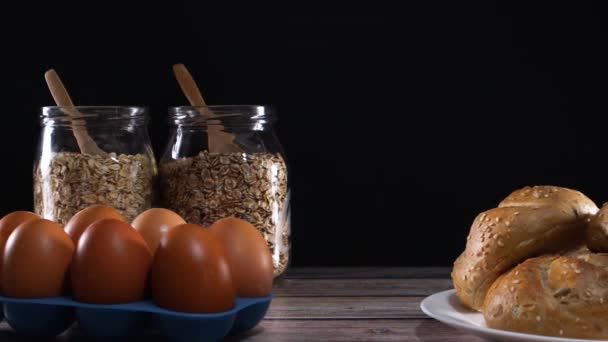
<point>253,187</point>
<point>69,182</point>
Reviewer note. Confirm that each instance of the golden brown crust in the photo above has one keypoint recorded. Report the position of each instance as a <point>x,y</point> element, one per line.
<point>529,222</point>
<point>547,195</point>
<point>597,231</point>
<point>563,296</point>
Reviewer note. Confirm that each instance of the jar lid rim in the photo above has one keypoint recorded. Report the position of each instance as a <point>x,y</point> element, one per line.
<point>223,106</point>
<point>91,115</point>
<point>96,107</point>
<point>247,112</point>
<point>259,109</point>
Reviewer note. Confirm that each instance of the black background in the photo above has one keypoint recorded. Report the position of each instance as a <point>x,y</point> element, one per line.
<point>401,120</point>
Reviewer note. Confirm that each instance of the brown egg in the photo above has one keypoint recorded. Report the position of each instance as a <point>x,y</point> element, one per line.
<point>155,223</point>
<point>8,223</point>
<point>82,219</point>
<point>111,264</point>
<point>190,272</point>
<point>248,255</point>
<point>36,258</point>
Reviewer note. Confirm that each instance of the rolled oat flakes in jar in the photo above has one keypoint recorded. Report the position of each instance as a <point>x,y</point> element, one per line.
<point>226,161</point>
<point>118,171</point>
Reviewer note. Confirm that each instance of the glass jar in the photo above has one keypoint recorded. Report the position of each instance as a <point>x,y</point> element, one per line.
<point>224,161</point>
<point>93,155</point>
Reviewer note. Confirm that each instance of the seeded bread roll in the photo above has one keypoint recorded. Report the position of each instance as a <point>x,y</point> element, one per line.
<point>597,231</point>
<point>563,296</point>
<point>529,222</point>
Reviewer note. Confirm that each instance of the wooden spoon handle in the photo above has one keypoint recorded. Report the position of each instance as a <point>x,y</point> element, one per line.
<point>218,140</point>
<point>188,85</point>
<point>85,142</point>
<point>58,91</point>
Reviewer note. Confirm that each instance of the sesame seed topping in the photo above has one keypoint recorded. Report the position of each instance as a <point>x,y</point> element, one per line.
<point>561,332</point>
<point>516,272</point>
<point>577,319</point>
<point>538,318</point>
<point>517,281</point>
<point>512,289</point>
<point>497,219</point>
<point>601,300</point>
<point>500,243</point>
<point>577,271</point>
<point>508,224</point>
<point>516,213</point>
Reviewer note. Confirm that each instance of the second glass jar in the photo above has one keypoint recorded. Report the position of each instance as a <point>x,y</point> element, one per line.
<point>224,161</point>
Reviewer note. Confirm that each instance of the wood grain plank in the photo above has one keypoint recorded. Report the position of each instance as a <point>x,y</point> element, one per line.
<point>408,330</point>
<point>359,287</point>
<point>368,272</point>
<point>345,308</point>
<point>346,330</point>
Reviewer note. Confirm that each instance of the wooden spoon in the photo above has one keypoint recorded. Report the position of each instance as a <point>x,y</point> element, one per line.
<point>86,144</point>
<point>219,141</point>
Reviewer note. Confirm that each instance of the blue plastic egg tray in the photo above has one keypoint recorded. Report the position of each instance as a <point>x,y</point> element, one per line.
<point>52,316</point>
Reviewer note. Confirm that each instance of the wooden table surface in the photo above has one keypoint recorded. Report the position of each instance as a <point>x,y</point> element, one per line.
<point>337,304</point>
<point>356,304</point>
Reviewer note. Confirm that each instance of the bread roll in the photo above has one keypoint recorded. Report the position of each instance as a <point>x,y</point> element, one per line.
<point>597,231</point>
<point>529,222</point>
<point>563,296</point>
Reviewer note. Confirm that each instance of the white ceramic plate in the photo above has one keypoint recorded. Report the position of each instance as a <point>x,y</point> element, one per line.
<point>446,307</point>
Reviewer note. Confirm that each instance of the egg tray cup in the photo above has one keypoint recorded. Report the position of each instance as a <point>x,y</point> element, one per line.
<point>47,317</point>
